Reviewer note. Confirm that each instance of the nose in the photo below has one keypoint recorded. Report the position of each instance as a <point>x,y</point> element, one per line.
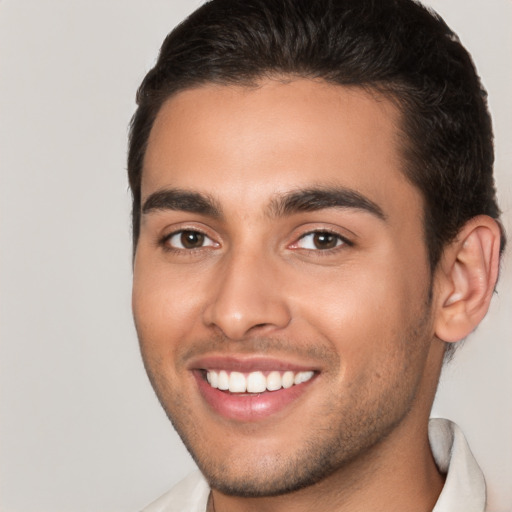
<point>247,298</point>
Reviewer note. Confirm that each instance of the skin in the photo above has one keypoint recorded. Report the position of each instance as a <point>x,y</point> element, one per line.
<point>363,314</point>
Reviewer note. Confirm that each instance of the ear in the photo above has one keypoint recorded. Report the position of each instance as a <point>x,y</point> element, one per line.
<point>466,277</point>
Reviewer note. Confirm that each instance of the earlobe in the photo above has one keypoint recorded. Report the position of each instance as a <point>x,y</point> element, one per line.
<point>466,278</point>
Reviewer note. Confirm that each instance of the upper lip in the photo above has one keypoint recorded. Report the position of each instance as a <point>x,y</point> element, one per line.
<point>246,364</point>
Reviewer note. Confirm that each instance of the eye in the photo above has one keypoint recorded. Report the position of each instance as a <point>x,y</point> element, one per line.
<point>189,239</point>
<point>320,240</point>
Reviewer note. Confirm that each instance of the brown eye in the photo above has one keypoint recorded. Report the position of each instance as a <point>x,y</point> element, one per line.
<point>320,240</point>
<point>189,239</point>
<point>325,240</point>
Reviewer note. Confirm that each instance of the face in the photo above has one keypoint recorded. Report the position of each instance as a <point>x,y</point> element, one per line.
<point>281,281</point>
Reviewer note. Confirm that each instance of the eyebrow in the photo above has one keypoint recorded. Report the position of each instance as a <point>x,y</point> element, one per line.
<point>181,200</point>
<point>303,200</point>
<point>315,199</point>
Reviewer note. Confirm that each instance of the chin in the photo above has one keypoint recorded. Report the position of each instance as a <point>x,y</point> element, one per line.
<point>271,479</point>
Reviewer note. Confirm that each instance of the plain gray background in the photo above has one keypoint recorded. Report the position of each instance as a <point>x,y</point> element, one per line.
<point>80,429</point>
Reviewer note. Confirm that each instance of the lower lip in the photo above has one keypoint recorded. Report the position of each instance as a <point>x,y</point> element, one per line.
<point>249,407</point>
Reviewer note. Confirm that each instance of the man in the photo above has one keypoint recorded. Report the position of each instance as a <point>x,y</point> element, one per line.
<point>315,226</point>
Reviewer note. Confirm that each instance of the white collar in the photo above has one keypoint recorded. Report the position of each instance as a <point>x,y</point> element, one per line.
<point>464,488</point>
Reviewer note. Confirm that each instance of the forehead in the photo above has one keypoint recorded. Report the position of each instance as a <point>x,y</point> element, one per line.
<point>252,142</point>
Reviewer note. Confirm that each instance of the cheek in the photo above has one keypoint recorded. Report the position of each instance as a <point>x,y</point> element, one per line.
<point>166,305</point>
<point>367,311</point>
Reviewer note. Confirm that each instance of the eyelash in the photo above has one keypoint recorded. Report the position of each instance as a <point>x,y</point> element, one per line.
<point>343,241</point>
<point>165,241</point>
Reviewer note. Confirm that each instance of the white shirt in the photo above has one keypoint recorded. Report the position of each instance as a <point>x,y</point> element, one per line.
<point>463,491</point>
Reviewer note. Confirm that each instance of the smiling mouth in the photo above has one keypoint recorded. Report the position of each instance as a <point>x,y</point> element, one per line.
<point>257,381</point>
<point>251,389</point>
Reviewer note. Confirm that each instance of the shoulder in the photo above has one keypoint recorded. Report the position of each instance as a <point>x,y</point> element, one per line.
<point>188,495</point>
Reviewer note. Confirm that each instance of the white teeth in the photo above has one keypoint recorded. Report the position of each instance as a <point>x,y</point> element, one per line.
<point>213,379</point>
<point>237,383</point>
<point>255,382</point>
<point>274,381</point>
<point>288,380</point>
<point>223,380</point>
<point>302,377</point>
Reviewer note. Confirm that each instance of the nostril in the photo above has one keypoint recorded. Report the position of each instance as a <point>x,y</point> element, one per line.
<point>264,326</point>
